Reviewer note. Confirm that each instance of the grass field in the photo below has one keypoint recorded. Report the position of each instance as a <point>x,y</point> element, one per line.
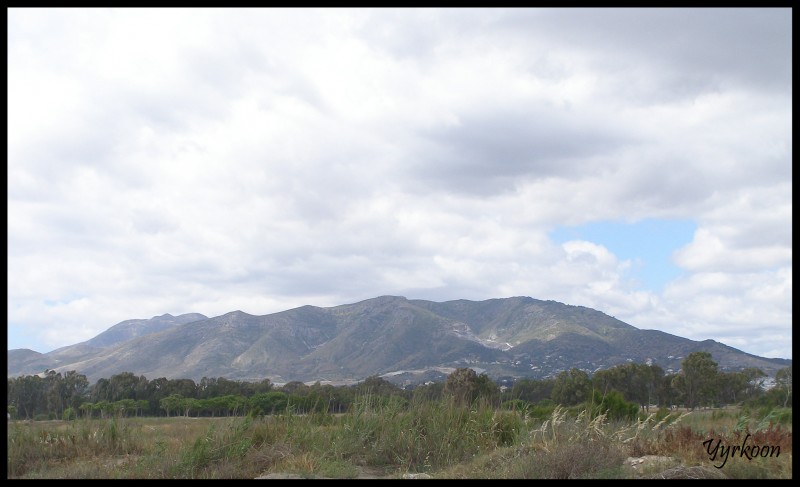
<point>437,439</point>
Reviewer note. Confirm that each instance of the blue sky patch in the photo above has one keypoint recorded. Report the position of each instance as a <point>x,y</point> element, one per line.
<point>647,243</point>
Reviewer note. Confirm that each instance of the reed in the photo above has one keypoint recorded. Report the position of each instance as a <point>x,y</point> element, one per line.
<point>443,439</point>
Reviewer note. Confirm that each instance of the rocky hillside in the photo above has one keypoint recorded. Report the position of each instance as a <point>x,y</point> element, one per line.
<point>388,335</point>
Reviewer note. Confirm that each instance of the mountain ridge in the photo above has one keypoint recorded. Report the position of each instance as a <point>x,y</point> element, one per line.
<point>387,335</point>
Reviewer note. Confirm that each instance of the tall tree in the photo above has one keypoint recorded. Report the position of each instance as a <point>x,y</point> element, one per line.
<point>183,387</point>
<point>27,394</point>
<point>54,392</point>
<point>571,387</point>
<point>100,391</point>
<point>465,386</point>
<point>123,386</point>
<point>75,388</point>
<point>173,402</point>
<point>377,385</point>
<point>755,381</point>
<point>486,389</point>
<point>699,383</point>
<point>295,387</point>
<point>732,387</point>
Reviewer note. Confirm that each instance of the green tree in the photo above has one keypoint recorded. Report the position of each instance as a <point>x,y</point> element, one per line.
<point>55,392</point>
<point>668,394</point>
<point>486,389</point>
<point>142,390</point>
<point>27,394</point>
<point>295,387</point>
<point>86,409</point>
<point>464,385</point>
<point>637,382</point>
<point>234,404</point>
<point>75,388</point>
<point>157,390</point>
<point>105,408</point>
<point>126,407</point>
<point>35,395</point>
<point>571,387</point>
<point>190,404</point>
<point>377,385</point>
<point>265,385</point>
<point>532,390</point>
<point>100,391</point>
<point>226,387</point>
<point>755,382</point>
<point>207,387</point>
<point>216,405</point>
<point>699,379</point>
<point>613,404</point>
<point>173,402</point>
<point>123,386</point>
<point>341,399</point>
<point>268,402</point>
<point>732,387</point>
<point>184,387</point>
<point>310,403</point>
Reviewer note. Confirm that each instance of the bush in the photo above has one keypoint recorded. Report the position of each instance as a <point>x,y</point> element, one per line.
<point>69,414</point>
<point>613,404</point>
<point>566,460</point>
<point>515,405</point>
<point>541,412</point>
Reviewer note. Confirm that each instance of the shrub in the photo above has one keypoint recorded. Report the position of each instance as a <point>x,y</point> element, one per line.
<point>613,404</point>
<point>515,405</point>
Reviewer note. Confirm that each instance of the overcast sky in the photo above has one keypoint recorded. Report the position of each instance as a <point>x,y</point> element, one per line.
<point>171,161</point>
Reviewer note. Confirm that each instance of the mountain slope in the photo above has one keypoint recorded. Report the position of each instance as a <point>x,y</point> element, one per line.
<point>128,329</point>
<point>388,335</point>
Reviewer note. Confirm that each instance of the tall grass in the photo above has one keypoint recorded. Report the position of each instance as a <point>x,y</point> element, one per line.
<point>38,446</point>
<point>429,435</point>
<point>441,438</point>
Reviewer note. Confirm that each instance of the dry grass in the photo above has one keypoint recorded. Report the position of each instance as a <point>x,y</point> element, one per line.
<point>439,439</point>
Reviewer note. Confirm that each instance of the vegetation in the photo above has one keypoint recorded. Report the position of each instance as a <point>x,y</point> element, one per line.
<point>378,438</point>
<point>698,384</point>
<point>571,426</point>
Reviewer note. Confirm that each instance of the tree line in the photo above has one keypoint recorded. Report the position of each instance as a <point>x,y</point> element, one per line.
<point>625,388</point>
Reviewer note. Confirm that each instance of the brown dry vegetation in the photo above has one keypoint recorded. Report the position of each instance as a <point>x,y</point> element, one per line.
<point>436,439</point>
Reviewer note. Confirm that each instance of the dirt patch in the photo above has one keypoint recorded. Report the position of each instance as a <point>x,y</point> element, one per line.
<point>686,472</point>
<point>363,473</point>
<point>658,467</point>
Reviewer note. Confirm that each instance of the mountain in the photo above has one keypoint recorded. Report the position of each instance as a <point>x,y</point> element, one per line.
<point>128,329</point>
<point>398,338</point>
<point>24,361</point>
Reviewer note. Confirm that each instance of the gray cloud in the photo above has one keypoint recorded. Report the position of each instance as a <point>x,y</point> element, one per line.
<point>488,152</point>
<point>261,159</point>
<point>700,47</point>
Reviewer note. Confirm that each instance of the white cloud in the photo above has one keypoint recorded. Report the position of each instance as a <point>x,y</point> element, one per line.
<point>207,160</point>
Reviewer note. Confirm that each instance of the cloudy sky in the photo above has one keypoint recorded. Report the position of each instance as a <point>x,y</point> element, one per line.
<point>170,161</point>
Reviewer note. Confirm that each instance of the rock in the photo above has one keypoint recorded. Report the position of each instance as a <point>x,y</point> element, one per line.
<point>416,476</point>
